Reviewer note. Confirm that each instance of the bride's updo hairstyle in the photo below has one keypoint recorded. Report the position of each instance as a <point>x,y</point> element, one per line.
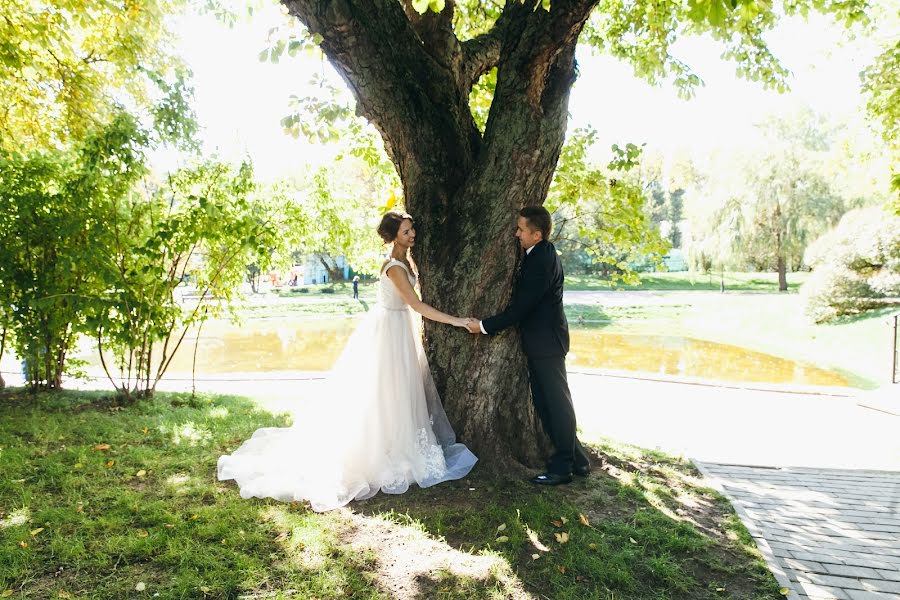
<point>390,224</point>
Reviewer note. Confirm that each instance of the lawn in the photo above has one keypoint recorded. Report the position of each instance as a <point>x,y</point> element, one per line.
<point>101,500</point>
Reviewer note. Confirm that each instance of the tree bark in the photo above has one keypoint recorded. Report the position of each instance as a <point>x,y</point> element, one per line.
<point>782,273</point>
<point>411,78</point>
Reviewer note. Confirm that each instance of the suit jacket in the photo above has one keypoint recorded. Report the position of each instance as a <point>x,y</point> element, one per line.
<point>537,305</point>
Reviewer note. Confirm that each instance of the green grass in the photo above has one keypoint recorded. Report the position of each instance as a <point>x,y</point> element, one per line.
<point>688,281</point>
<point>79,519</point>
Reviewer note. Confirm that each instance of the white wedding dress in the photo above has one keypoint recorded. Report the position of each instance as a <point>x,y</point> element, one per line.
<point>378,425</point>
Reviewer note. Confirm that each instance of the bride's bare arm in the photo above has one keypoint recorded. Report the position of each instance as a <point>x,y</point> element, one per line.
<point>398,276</point>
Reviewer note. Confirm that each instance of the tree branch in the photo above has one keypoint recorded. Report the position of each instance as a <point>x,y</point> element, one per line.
<point>480,55</point>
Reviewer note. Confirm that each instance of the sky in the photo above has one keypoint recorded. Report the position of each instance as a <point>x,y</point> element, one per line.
<point>240,100</point>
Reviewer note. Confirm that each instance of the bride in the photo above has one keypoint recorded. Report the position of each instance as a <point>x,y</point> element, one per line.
<point>379,425</point>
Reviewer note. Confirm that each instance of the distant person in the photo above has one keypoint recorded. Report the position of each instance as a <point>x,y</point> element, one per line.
<point>356,287</point>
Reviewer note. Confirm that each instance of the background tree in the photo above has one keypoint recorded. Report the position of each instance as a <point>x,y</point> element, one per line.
<point>52,227</point>
<point>66,68</point>
<point>412,73</point>
<point>206,222</point>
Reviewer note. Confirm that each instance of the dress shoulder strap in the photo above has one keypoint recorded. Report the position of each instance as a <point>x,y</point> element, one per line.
<point>392,263</point>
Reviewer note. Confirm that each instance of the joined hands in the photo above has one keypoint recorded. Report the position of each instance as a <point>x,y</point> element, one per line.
<point>471,324</point>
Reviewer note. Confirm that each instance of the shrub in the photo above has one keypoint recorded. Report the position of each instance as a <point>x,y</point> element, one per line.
<point>856,266</point>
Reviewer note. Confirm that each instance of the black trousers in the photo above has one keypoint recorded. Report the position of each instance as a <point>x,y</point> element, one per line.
<point>553,404</point>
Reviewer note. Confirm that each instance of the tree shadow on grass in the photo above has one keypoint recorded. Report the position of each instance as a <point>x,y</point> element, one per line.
<point>125,495</point>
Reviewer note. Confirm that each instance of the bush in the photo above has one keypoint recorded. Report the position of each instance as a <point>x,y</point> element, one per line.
<point>856,266</point>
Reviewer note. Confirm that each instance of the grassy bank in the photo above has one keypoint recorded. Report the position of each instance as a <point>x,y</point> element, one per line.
<point>688,281</point>
<point>99,500</point>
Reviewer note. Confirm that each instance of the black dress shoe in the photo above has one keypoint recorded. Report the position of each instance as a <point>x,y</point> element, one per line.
<point>582,470</point>
<point>549,478</point>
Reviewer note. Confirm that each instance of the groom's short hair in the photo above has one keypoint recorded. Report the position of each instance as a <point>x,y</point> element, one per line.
<point>538,219</point>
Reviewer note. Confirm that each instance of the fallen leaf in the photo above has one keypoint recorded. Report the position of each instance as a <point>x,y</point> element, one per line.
<point>502,539</point>
<point>535,556</point>
<point>102,447</point>
<point>110,463</point>
<point>562,538</point>
<point>34,532</point>
<point>579,578</point>
<point>141,473</point>
<point>561,569</point>
<point>204,589</point>
<point>168,526</point>
<point>6,593</point>
<point>194,517</point>
<point>501,527</point>
<point>145,431</point>
<point>784,591</point>
<point>281,536</point>
<point>79,508</point>
<point>77,466</point>
<point>23,544</point>
<point>556,523</point>
<point>63,594</point>
<point>564,520</point>
<point>583,520</point>
<point>592,546</point>
<point>141,586</point>
<point>632,540</point>
<point>720,589</point>
<point>142,533</point>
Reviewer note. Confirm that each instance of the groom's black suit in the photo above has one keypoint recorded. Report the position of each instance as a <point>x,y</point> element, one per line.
<point>537,307</point>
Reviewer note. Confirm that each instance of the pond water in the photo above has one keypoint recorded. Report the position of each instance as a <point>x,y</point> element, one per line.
<point>263,345</point>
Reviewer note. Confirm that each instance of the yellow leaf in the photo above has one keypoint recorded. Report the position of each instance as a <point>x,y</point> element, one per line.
<point>281,536</point>
<point>502,539</point>
<point>194,517</point>
<point>501,527</point>
<point>141,586</point>
<point>79,508</point>
<point>784,591</point>
<point>564,520</point>
<point>23,544</point>
<point>556,523</point>
<point>34,532</point>
<point>592,546</point>
<point>562,538</point>
<point>391,201</point>
<point>63,594</point>
<point>583,520</point>
<point>145,431</point>
<point>141,473</point>
<point>143,533</point>
<point>6,593</point>
<point>77,466</point>
<point>204,589</point>
<point>102,447</point>
<point>561,569</point>
<point>110,463</point>
<point>535,556</point>
<point>631,539</point>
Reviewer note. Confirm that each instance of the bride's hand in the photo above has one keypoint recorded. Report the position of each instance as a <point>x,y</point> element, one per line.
<point>462,322</point>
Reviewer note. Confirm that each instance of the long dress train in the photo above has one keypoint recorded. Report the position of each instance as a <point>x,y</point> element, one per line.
<point>378,425</point>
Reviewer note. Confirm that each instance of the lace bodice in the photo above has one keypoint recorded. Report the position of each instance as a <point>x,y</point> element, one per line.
<point>388,295</point>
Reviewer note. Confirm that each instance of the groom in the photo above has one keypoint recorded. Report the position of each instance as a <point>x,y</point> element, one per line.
<point>537,308</point>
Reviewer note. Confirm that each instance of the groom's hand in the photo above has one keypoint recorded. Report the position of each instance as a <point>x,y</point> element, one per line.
<point>474,326</point>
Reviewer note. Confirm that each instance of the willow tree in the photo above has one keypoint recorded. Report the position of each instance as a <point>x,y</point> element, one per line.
<point>411,66</point>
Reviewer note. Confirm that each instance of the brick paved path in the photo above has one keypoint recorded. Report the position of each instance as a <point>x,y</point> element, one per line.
<point>826,533</point>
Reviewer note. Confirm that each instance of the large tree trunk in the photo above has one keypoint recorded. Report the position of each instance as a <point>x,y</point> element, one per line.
<point>411,78</point>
